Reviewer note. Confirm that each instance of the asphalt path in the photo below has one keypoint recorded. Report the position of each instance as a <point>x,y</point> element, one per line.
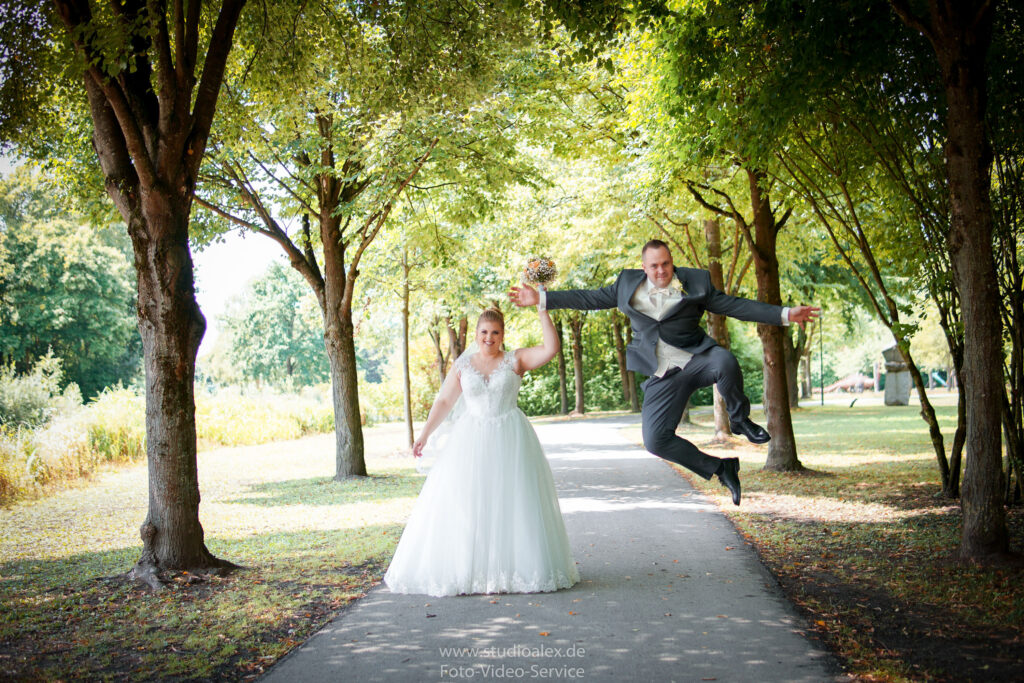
<point>668,592</point>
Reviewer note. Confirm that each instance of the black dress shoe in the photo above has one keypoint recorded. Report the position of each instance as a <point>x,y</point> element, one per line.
<point>730,476</point>
<point>754,432</point>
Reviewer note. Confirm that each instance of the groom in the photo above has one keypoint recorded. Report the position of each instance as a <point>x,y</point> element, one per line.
<point>664,305</point>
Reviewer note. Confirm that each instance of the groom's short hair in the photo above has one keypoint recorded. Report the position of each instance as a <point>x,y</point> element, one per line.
<point>654,244</point>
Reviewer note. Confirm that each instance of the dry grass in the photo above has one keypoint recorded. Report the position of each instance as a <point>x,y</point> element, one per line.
<point>81,440</point>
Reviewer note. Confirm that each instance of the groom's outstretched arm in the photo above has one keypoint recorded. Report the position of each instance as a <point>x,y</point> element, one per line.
<point>580,299</point>
<point>756,311</point>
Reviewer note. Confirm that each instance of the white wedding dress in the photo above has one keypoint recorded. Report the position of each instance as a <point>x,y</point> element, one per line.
<point>487,519</point>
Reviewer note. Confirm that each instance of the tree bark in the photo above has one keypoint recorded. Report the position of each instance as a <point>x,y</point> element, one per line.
<point>717,324</point>
<point>442,360</point>
<point>457,337</point>
<point>339,338</point>
<point>172,327</point>
<point>576,320</point>
<point>782,455</point>
<point>348,427</point>
<point>959,440</point>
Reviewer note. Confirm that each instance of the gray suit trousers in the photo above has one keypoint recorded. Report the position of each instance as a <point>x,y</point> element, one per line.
<point>665,399</point>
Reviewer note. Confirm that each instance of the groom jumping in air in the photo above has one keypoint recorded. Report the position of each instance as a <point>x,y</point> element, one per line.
<point>664,305</point>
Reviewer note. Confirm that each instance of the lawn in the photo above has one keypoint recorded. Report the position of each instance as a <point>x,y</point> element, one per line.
<point>866,546</point>
<point>311,545</point>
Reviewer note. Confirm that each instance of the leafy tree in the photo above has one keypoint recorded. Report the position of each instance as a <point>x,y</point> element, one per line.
<point>275,331</point>
<point>63,291</point>
<point>150,94</point>
<point>380,91</point>
<point>960,33</point>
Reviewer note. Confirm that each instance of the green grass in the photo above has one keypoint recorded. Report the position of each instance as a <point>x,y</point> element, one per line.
<point>866,545</point>
<point>311,545</point>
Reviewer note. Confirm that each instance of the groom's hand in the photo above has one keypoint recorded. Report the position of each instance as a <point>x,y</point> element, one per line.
<point>803,314</point>
<point>524,296</point>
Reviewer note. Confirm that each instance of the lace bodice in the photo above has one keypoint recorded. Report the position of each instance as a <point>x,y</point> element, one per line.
<point>492,396</point>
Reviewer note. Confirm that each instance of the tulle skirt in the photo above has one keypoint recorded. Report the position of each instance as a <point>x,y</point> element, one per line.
<point>487,519</point>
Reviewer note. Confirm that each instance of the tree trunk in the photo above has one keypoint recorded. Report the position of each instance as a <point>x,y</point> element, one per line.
<point>442,362</point>
<point>961,33</point>
<point>620,355</point>
<point>928,413</point>
<point>634,391</point>
<point>463,332</point>
<point>457,337</point>
<point>576,332</point>
<point>172,327</point>
<point>717,324</point>
<point>563,390</point>
<point>406,377</point>
<point>348,429</point>
<point>959,440</point>
<point>794,352</point>
<point>782,455</point>
<point>150,130</point>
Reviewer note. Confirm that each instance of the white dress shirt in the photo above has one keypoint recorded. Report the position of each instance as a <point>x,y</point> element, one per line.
<point>655,302</point>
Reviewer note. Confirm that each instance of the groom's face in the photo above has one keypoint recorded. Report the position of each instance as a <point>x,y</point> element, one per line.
<point>657,263</point>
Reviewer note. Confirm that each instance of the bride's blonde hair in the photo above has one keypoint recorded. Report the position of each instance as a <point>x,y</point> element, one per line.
<point>491,315</point>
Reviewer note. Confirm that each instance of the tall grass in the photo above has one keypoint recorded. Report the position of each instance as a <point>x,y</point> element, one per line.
<point>78,439</point>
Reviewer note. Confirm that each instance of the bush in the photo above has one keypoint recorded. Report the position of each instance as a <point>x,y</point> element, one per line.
<point>28,400</point>
<point>539,393</point>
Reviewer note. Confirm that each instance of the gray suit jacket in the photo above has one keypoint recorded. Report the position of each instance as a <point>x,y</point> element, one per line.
<point>680,326</point>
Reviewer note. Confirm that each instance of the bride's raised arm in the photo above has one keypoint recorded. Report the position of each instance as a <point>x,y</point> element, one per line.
<point>533,357</point>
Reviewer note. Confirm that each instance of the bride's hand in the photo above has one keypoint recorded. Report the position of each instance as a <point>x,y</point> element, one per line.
<point>417,448</point>
<point>524,296</point>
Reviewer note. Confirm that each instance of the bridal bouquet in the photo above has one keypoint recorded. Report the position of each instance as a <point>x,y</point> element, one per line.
<point>539,271</point>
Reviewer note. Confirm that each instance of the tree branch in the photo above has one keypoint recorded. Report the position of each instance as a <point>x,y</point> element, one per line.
<point>903,11</point>
<point>73,15</point>
<point>210,83</point>
<point>381,218</point>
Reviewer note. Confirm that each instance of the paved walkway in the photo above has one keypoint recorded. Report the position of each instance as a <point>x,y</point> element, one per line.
<point>669,592</point>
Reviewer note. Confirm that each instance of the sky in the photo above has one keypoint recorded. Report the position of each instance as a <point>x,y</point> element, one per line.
<point>224,269</point>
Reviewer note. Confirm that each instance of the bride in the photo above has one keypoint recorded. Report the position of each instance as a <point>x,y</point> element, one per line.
<point>487,519</point>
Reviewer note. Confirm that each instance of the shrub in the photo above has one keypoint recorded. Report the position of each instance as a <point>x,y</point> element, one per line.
<point>28,400</point>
